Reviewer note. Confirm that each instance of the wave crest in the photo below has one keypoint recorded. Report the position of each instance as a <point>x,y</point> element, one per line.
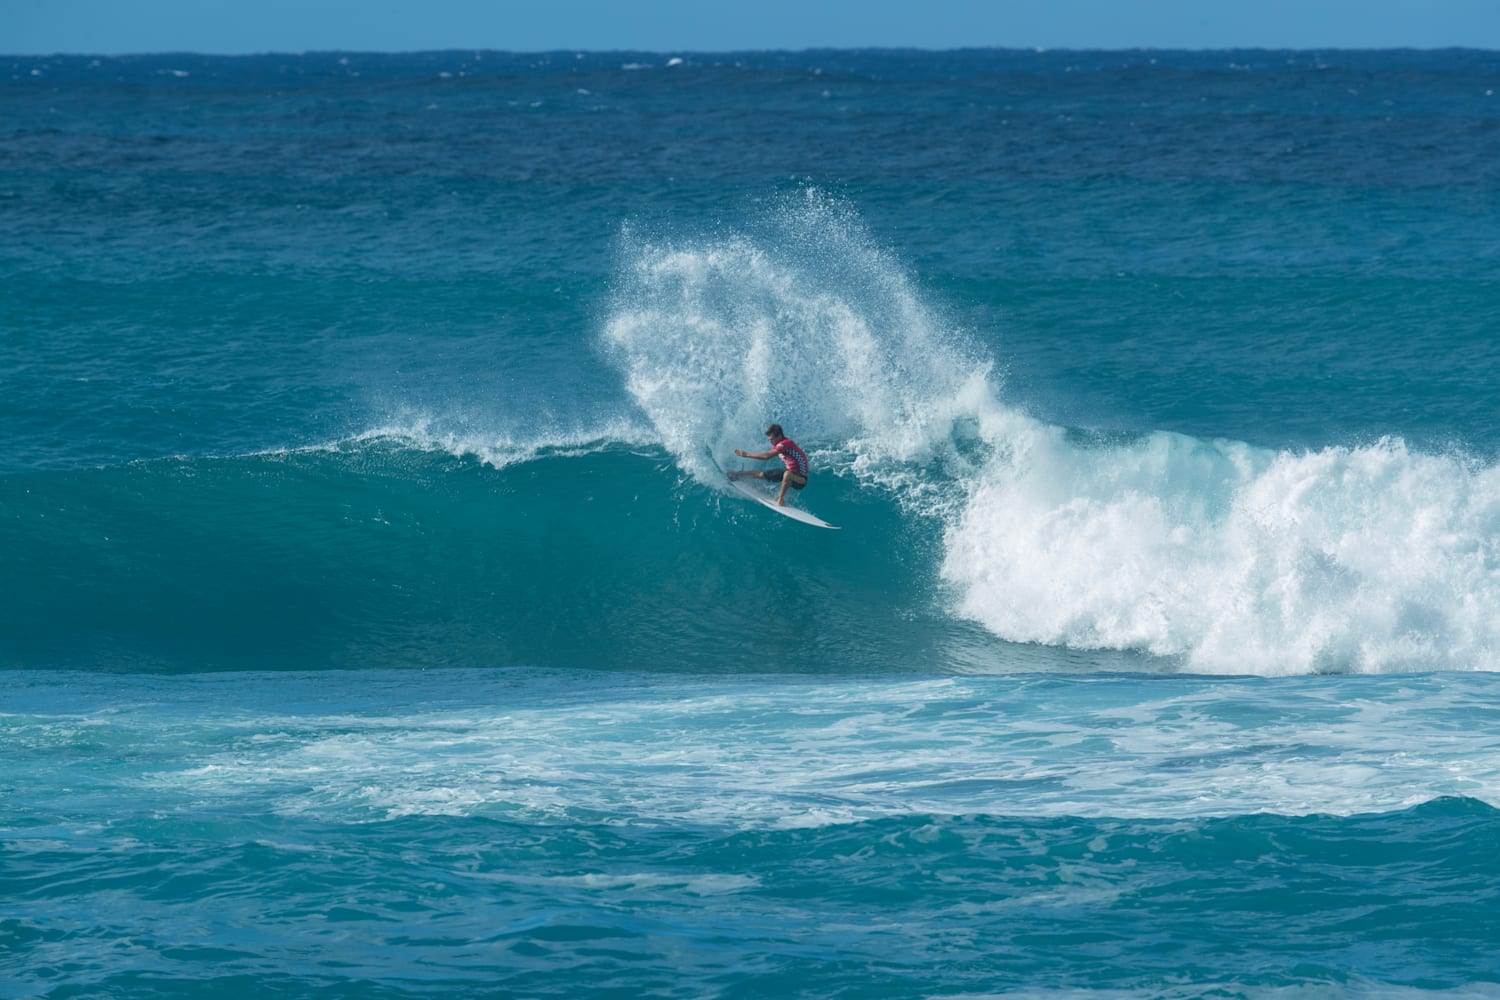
<point>1229,557</point>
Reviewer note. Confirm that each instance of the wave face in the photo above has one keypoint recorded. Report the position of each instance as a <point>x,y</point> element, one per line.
<point>387,553</point>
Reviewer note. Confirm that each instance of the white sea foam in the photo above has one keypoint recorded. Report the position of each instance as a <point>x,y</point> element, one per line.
<point>719,884</point>
<point>1228,557</point>
<point>761,754</point>
<point>497,448</point>
<point>1237,559</point>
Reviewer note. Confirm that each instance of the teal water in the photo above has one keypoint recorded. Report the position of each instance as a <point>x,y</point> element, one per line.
<point>524,832</point>
<point>374,621</point>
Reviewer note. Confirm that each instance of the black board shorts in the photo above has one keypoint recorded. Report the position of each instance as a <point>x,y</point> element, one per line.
<point>774,476</point>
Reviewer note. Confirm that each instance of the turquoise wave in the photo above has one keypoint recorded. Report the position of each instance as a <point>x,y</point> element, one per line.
<point>381,554</point>
<point>1004,547</point>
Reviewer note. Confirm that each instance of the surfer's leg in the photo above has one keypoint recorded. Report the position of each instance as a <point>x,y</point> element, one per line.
<point>793,480</point>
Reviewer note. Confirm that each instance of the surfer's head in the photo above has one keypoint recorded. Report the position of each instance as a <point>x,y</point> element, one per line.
<point>774,433</point>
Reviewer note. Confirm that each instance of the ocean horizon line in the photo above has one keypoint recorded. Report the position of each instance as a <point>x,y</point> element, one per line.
<point>790,50</point>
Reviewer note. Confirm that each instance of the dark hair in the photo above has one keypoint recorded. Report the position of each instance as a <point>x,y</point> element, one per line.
<point>774,429</point>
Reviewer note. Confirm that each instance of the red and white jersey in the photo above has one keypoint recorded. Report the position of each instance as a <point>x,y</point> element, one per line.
<point>793,457</point>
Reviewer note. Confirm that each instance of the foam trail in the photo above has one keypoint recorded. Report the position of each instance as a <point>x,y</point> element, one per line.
<point>497,448</point>
<point>1229,557</point>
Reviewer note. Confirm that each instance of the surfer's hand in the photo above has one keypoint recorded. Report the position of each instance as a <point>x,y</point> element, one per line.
<point>739,453</point>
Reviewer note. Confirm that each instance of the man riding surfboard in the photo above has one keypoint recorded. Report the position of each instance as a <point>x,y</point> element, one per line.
<point>792,457</point>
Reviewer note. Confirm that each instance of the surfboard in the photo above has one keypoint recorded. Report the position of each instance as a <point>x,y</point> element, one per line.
<point>765,499</point>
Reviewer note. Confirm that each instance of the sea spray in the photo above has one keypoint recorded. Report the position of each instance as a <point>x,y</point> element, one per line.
<point>800,318</point>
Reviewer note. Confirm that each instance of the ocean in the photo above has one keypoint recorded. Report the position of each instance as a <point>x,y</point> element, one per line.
<point>375,620</point>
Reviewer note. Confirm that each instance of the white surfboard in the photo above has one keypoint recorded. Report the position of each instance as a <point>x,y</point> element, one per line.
<point>765,499</point>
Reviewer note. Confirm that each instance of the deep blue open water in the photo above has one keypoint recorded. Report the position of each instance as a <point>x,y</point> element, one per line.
<point>375,622</point>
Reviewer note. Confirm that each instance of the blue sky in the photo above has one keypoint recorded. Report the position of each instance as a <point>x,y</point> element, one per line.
<point>239,26</point>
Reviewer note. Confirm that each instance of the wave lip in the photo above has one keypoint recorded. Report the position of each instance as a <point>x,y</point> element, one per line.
<point>495,448</point>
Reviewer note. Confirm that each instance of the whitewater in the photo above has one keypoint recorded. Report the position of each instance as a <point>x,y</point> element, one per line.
<point>375,620</point>
<point>1229,557</point>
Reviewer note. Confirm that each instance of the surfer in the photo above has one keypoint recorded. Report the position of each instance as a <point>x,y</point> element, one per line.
<point>793,457</point>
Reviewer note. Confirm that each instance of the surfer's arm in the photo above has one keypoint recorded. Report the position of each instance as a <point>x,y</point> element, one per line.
<point>759,455</point>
